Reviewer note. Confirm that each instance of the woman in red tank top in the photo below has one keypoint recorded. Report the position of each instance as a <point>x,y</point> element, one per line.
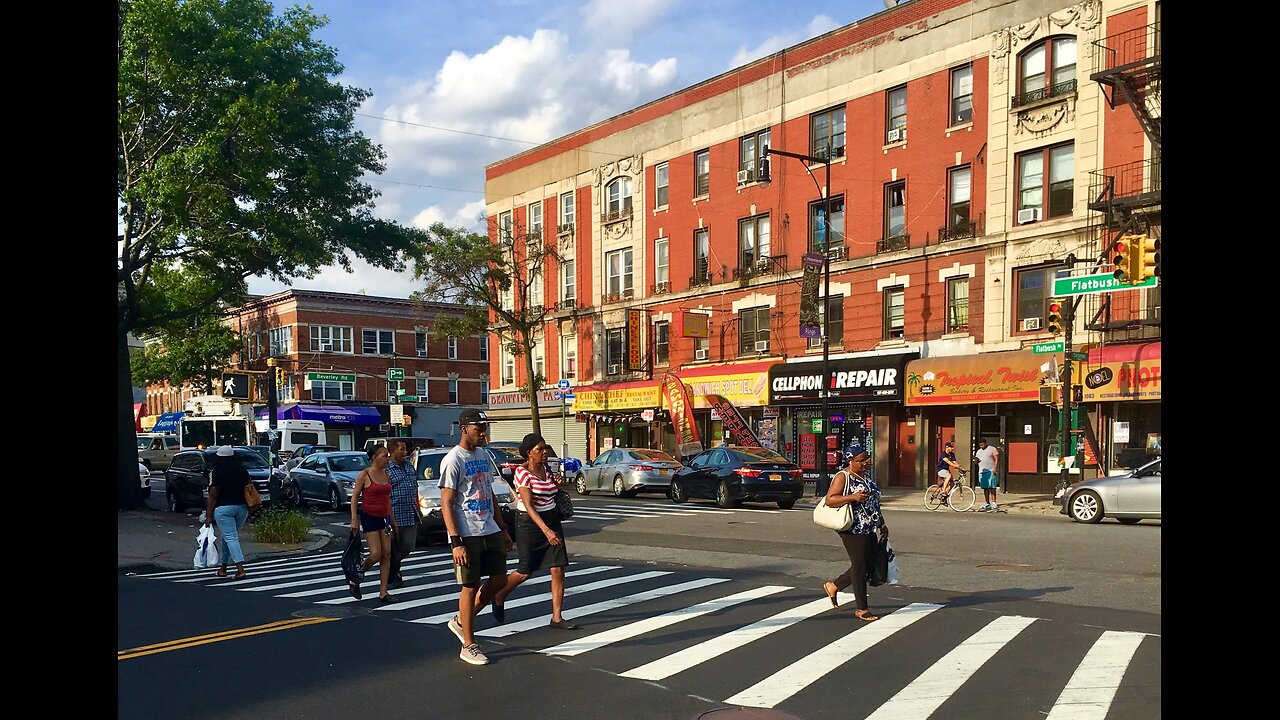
<point>374,518</point>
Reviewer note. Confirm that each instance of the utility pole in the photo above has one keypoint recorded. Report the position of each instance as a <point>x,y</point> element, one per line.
<point>273,391</point>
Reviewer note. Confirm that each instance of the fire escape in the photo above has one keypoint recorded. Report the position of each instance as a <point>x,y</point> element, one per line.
<point>1125,199</point>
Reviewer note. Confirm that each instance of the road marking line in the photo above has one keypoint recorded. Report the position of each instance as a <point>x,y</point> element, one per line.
<point>405,605</point>
<point>1093,685</point>
<point>521,602</point>
<point>218,637</point>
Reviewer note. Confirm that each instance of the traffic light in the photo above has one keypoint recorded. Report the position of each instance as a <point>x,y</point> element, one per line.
<point>279,377</point>
<point>1054,317</point>
<point>1124,260</point>
<point>1146,257</point>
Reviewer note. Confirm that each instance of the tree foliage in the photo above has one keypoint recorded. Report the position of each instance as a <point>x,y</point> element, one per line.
<point>195,351</point>
<point>236,157</point>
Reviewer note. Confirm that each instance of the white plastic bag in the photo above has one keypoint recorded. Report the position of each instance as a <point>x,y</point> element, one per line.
<point>206,548</point>
<point>894,574</point>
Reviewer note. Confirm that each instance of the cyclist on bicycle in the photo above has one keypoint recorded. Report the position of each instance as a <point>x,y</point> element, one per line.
<point>947,467</point>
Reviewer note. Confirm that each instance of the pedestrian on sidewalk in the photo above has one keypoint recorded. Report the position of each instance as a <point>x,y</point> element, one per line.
<point>404,508</point>
<point>373,492</point>
<point>850,487</point>
<point>539,534</point>
<point>988,458</point>
<point>478,538</point>
<point>227,507</point>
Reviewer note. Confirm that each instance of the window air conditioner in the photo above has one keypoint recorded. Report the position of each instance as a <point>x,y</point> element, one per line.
<point>700,354</point>
<point>326,347</point>
<point>897,135</point>
<point>1031,323</point>
<point>1028,215</point>
<point>744,177</point>
<point>613,369</point>
<point>762,264</point>
<point>422,353</point>
<point>762,346</point>
<point>348,397</point>
<point>569,303</point>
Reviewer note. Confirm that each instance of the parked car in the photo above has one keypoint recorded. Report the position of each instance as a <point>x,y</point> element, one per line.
<point>156,450</point>
<point>733,474</point>
<point>627,471</point>
<point>186,482</point>
<point>144,476</point>
<point>295,459</point>
<point>328,477</point>
<point>426,463</point>
<point>410,443</point>
<point>507,455</point>
<point>1128,498</point>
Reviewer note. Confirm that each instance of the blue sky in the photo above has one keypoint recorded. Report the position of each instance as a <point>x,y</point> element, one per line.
<point>459,85</point>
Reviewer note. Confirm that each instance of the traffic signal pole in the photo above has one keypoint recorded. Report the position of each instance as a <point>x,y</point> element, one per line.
<point>273,392</point>
<point>1068,388</point>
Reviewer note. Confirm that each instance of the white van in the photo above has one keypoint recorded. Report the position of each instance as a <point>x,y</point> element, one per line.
<point>293,434</point>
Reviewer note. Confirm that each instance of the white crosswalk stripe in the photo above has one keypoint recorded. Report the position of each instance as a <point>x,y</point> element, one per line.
<point>1092,687</point>
<point>569,591</point>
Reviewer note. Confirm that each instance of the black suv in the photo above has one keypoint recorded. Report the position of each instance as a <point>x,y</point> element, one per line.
<point>186,482</point>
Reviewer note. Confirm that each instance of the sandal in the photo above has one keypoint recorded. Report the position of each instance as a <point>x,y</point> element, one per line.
<point>239,576</point>
<point>830,589</point>
<point>865,615</point>
<point>221,572</point>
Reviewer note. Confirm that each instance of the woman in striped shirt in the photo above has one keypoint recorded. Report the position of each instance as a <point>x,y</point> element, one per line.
<point>539,535</point>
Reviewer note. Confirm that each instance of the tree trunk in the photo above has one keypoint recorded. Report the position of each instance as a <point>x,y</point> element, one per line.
<point>529,382</point>
<point>128,488</point>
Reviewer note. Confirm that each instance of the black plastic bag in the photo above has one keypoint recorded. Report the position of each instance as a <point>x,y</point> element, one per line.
<point>353,559</point>
<point>878,567</point>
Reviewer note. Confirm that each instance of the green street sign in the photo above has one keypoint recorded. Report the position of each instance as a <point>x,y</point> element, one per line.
<point>1089,284</point>
<point>331,377</point>
<point>409,398</point>
<point>1080,356</point>
<point>395,374</point>
<point>1047,347</point>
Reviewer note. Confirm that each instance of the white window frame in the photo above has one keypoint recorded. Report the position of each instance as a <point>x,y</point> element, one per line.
<point>383,343</point>
<point>618,196</point>
<point>508,367</point>
<point>420,341</point>
<point>957,305</point>
<point>504,228</point>
<point>959,194</point>
<point>661,186</point>
<point>566,209</point>
<point>753,238</point>
<point>453,391</point>
<point>539,360</point>
<point>535,219</point>
<point>609,359</point>
<point>621,281</point>
<point>421,388</point>
<point>895,303</point>
<point>323,390</point>
<point>961,107</point>
<point>484,348</point>
<point>484,391</point>
<point>280,340</point>
<point>453,347</point>
<point>568,281</point>
<point>338,335</point>
<point>662,260</point>
<point>569,356</point>
<point>702,173</point>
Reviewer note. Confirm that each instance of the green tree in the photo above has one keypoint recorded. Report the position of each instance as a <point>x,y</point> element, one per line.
<point>196,351</point>
<point>236,157</point>
<point>502,281</point>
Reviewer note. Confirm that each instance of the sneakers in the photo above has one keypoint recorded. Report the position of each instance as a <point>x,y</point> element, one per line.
<point>994,507</point>
<point>455,627</point>
<point>471,654</point>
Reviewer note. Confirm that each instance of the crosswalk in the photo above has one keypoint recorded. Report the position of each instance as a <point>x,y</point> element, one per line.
<point>585,509</point>
<point>785,647</point>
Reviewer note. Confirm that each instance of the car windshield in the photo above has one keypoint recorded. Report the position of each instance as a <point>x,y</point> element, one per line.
<point>757,455</point>
<point>144,443</point>
<point>429,466</point>
<point>250,459</point>
<point>652,455</point>
<point>349,463</point>
<point>501,455</point>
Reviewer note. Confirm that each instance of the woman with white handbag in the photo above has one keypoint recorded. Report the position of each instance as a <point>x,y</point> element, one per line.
<point>862,495</point>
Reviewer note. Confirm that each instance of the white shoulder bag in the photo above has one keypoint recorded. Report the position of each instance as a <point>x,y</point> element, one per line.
<point>838,519</point>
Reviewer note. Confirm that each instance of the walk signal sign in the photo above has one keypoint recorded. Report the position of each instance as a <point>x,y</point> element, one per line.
<point>280,376</point>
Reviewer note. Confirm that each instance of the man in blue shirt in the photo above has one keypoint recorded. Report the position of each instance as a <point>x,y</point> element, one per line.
<point>404,505</point>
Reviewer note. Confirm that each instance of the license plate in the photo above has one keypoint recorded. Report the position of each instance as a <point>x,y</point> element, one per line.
<point>664,471</point>
<point>775,478</point>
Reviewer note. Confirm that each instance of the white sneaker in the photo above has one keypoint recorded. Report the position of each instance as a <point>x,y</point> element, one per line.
<point>456,628</point>
<point>471,653</point>
<point>985,507</point>
<point>994,507</point>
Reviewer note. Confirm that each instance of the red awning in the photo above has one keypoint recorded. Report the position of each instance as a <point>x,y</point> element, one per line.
<point>138,410</point>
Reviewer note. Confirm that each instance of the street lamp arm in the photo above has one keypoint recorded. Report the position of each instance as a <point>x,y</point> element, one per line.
<point>808,160</point>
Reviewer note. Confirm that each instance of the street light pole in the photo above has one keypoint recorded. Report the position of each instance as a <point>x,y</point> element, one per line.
<point>824,481</point>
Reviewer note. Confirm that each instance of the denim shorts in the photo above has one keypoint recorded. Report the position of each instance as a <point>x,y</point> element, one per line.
<point>372,523</point>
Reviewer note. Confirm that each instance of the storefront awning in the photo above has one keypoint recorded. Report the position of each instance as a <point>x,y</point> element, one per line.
<point>327,414</point>
<point>168,423</point>
<point>1120,372</point>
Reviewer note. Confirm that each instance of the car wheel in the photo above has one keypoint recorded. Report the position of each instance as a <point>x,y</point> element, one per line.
<point>786,504</point>
<point>290,496</point>
<point>1128,521</point>
<point>335,499</point>
<point>677,492</point>
<point>1086,507</point>
<point>175,504</point>
<point>723,501</point>
<point>580,484</point>
<point>618,488</point>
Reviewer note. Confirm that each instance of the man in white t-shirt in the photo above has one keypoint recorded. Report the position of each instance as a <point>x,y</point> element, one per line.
<point>988,458</point>
<point>477,536</point>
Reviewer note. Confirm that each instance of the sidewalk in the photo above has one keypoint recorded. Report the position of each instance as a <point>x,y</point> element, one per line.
<point>159,539</point>
<point>909,499</point>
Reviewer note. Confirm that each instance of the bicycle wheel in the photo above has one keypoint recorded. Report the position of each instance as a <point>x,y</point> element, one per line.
<point>962,498</point>
<point>932,497</point>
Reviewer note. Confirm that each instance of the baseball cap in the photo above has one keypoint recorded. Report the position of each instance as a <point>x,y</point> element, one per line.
<point>472,417</point>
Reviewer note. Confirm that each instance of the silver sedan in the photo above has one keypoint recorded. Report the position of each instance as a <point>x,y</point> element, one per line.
<point>1128,498</point>
<point>627,471</point>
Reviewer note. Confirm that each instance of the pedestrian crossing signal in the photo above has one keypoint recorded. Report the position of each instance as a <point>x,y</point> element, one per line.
<point>279,377</point>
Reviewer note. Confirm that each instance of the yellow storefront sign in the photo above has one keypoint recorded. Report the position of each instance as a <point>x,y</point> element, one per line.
<point>743,390</point>
<point>631,398</point>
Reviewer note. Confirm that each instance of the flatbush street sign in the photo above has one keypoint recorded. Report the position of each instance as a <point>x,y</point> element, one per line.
<point>1047,347</point>
<point>1088,284</point>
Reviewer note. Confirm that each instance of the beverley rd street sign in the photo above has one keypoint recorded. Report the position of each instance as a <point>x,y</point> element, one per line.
<point>1088,284</point>
<point>331,377</point>
<point>1047,347</point>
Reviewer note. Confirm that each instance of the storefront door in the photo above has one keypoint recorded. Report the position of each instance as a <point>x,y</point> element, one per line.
<point>906,442</point>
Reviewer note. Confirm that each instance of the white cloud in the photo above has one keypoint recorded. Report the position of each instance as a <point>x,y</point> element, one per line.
<point>363,279</point>
<point>817,26</point>
<point>617,21</point>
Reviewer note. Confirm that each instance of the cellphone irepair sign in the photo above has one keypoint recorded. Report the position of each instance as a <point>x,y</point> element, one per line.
<point>864,379</point>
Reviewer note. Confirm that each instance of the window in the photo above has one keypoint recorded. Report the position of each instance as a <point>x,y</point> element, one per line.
<point>753,326</point>
<point>895,121</point>
<point>569,281</point>
<point>566,211</point>
<point>484,348</point>
<point>701,348</point>
<point>569,356</point>
<point>1046,69</point>
<point>484,391</point>
<point>660,184</point>
<point>453,390</point>
<point>835,331</point>
<point>817,211</point>
<point>420,342</point>
<point>701,173</point>
<point>895,209</point>
<point>826,133</point>
<point>535,221</point>
<point>1032,186</point>
<point>378,342</point>
<point>753,243</point>
<point>701,251</point>
<point>751,157</point>
<point>535,287</point>
<point>619,266</point>
<point>961,94</point>
<point>894,300</point>
<point>958,304</point>
<point>618,195</point>
<point>539,361</point>
<point>329,390</point>
<point>614,351</point>
<point>453,348</point>
<point>508,367</point>
<point>504,228</point>
<point>331,338</point>
<point>285,393</point>
<point>421,389</point>
<point>1033,295</point>
<point>661,264</point>
<point>661,343</point>
<point>958,218</point>
<point>392,395</point>
<point>280,340</point>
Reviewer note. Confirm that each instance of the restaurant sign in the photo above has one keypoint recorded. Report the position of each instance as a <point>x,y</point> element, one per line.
<point>1012,376</point>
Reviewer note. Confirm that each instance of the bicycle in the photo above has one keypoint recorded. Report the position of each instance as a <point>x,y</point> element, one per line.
<point>960,497</point>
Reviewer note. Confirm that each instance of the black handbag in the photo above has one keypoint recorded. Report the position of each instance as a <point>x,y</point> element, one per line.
<point>353,559</point>
<point>878,568</point>
<point>564,504</point>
